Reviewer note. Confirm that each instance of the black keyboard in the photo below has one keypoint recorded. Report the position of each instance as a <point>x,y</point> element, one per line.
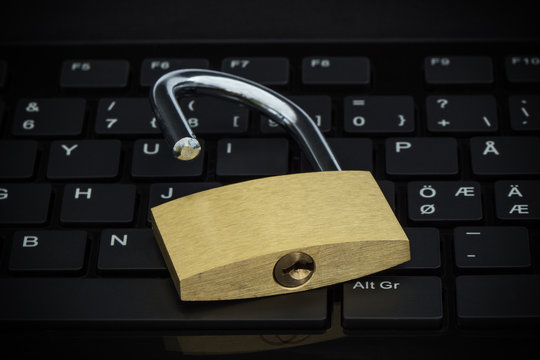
<point>451,132</point>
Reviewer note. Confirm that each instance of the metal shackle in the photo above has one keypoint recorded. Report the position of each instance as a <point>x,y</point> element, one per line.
<point>290,116</point>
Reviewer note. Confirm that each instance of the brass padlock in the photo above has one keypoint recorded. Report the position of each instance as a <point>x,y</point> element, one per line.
<point>274,235</point>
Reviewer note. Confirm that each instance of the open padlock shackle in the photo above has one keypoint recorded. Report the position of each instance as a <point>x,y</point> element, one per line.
<point>290,116</point>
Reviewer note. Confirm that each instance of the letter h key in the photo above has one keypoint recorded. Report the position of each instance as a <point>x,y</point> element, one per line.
<point>273,235</point>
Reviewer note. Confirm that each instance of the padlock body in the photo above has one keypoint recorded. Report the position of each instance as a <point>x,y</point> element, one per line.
<point>224,243</point>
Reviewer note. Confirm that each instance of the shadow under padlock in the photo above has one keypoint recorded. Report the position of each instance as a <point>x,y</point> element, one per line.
<point>273,235</point>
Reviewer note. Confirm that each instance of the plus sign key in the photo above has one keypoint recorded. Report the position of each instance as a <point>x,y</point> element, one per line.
<point>444,201</point>
<point>517,200</point>
<point>461,113</point>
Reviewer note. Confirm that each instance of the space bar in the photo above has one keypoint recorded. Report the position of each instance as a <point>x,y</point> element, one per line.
<point>147,303</point>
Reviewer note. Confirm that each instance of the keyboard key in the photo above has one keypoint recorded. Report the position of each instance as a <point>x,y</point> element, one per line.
<point>517,200</point>
<point>421,156</point>
<point>524,112</point>
<point>129,250</point>
<point>351,153</point>
<point>153,69</point>
<point>2,106</point>
<point>207,115</point>
<point>17,159</point>
<point>267,71</point>
<point>461,113</point>
<point>523,69</point>
<point>154,159</point>
<point>161,193</point>
<point>98,203</point>
<point>49,117</point>
<point>389,191</point>
<point>510,155</point>
<point>444,201</point>
<point>319,108</point>
<point>379,114</point>
<point>24,203</point>
<point>491,247</point>
<point>143,303</point>
<point>458,70</point>
<point>336,71</point>
<point>84,159</point>
<point>425,249</point>
<point>498,300</point>
<point>393,302</point>
<point>48,251</point>
<point>3,73</point>
<point>94,74</point>
<point>126,116</point>
<point>252,157</point>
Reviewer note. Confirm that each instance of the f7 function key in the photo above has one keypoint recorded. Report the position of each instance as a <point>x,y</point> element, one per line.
<point>458,70</point>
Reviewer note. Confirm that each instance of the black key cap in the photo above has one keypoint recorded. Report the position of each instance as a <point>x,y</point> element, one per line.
<point>267,71</point>
<point>98,203</point>
<point>461,113</point>
<point>444,201</point>
<point>3,73</point>
<point>48,251</point>
<point>142,303</point>
<point>36,117</point>
<point>491,247</point>
<point>319,108</point>
<point>517,200</point>
<point>154,159</point>
<point>379,114</point>
<point>510,155</point>
<point>17,159</point>
<point>1,111</point>
<point>523,69</point>
<point>24,203</point>
<point>94,74</point>
<point>425,250</point>
<point>153,69</point>
<point>129,250</point>
<point>505,300</point>
<point>524,112</point>
<point>392,302</point>
<point>389,191</point>
<point>421,156</point>
<point>161,193</point>
<point>458,70</point>
<point>336,71</point>
<point>126,116</point>
<point>84,159</point>
<point>351,153</point>
<point>252,157</point>
<point>206,115</point>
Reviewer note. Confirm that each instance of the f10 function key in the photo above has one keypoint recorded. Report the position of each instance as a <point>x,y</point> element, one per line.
<point>523,69</point>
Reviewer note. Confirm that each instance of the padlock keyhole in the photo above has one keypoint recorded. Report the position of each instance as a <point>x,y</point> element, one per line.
<point>294,269</point>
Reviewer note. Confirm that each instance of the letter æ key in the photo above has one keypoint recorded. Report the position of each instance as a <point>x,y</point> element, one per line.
<point>273,235</point>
